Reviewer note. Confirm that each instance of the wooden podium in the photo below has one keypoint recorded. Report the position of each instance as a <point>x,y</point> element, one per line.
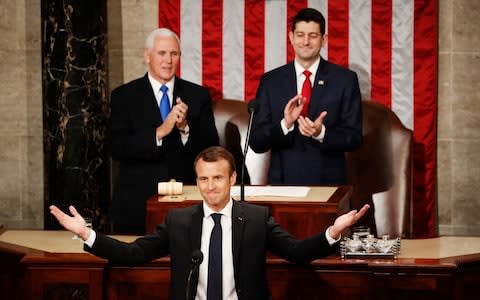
<point>302,217</point>
<point>50,265</point>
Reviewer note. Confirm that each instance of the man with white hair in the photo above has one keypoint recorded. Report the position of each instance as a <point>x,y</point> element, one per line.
<point>158,124</point>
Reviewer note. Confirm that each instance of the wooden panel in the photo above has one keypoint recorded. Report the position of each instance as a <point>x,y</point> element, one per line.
<point>143,282</point>
<point>307,282</point>
<point>35,274</point>
<point>11,271</point>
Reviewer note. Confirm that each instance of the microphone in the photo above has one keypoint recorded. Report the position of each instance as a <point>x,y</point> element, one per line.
<point>252,107</point>
<point>197,258</point>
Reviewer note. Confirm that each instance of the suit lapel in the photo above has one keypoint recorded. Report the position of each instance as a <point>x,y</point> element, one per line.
<point>290,83</point>
<point>318,89</point>
<point>177,90</point>
<point>150,100</point>
<point>196,228</point>
<point>238,226</point>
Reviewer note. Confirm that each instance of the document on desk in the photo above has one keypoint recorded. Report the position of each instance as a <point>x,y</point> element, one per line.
<point>273,191</point>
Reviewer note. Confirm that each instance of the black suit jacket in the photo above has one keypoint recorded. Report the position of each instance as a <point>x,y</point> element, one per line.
<point>135,115</point>
<point>296,159</point>
<point>254,233</point>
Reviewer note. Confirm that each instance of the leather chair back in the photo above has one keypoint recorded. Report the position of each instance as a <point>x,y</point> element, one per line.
<point>381,171</point>
<point>231,120</point>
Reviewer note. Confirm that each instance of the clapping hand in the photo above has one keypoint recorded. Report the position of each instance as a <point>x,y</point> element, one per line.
<point>293,109</point>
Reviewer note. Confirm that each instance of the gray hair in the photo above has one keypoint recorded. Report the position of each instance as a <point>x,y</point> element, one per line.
<point>159,32</point>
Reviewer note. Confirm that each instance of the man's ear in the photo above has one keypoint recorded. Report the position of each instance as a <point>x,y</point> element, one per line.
<point>290,37</point>
<point>325,40</point>
<point>146,55</point>
<point>233,178</point>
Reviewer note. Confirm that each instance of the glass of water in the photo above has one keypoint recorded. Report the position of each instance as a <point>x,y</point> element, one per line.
<point>88,223</point>
<point>361,231</point>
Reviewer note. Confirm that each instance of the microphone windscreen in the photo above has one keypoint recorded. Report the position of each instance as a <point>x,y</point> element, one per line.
<point>252,105</point>
<point>197,256</point>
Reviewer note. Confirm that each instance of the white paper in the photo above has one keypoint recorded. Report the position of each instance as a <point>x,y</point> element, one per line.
<point>279,191</point>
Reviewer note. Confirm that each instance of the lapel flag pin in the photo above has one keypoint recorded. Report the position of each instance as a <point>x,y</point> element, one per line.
<point>321,82</point>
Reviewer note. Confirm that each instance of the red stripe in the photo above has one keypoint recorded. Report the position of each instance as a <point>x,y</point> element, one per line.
<point>254,49</point>
<point>293,6</point>
<point>212,50</point>
<point>169,17</point>
<point>425,112</point>
<point>338,32</point>
<point>381,78</point>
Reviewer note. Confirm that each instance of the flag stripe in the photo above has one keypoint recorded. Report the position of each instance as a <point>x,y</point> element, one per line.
<point>233,48</point>
<point>402,60</point>
<point>381,52</point>
<point>275,37</point>
<point>212,50</point>
<point>360,45</point>
<point>425,91</point>
<point>254,46</point>
<point>390,44</point>
<point>191,27</point>
<point>338,39</point>
<point>169,14</point>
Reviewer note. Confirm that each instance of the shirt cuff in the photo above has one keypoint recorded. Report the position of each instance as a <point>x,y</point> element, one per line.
<point>91,239</point>
<point>321,135</point>
<point>184,134</point>
<point>331,240</point>
<point>286,130</point>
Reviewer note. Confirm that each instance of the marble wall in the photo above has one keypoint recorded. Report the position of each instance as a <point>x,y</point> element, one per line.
<point>21,160</point>
<point>76,108</point>
<point>459,117</point>
<point>21,146</point>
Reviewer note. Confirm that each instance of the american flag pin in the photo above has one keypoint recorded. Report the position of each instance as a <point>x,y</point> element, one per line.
<point>321,82</point>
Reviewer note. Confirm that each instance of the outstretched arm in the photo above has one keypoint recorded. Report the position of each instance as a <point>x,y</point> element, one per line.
<point>75,224</point>
<point>346,220</point>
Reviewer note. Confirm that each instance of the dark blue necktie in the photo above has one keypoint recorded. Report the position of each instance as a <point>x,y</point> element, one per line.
<point>164,103</point>
<point>214,285</point>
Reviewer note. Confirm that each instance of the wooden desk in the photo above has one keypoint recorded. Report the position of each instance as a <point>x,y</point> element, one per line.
<point>49,265</point>
<point>316,211</point>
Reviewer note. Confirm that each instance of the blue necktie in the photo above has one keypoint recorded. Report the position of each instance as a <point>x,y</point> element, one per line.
<point>214,285</point>
<point>164,103</point>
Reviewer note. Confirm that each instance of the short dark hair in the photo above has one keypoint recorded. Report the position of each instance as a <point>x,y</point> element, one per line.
<point>216,153</point>
<point>308,15</point>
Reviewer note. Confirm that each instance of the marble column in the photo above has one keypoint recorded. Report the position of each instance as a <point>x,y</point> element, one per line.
<point>75,107</point>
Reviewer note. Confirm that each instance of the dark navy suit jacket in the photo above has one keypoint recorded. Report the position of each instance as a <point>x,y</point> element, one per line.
<point>254,232</point>
<point>135,115</point>
<point>296,159</point>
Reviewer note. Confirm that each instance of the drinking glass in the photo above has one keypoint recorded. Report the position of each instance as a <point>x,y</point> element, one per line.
<point>361,231</point>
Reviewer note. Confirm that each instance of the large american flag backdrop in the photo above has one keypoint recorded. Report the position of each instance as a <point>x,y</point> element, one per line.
<point>391,44</point>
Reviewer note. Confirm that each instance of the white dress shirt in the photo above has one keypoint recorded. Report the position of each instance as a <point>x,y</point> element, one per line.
<point>228,280</point>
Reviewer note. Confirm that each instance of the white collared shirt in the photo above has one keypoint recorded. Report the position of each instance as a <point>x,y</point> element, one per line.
<point>228,280</point>
<point>301,77</point>
<point>156,88</point>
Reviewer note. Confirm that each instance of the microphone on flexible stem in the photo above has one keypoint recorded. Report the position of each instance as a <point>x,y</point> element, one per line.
<point>252,106</point>
<point>197,258</point>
